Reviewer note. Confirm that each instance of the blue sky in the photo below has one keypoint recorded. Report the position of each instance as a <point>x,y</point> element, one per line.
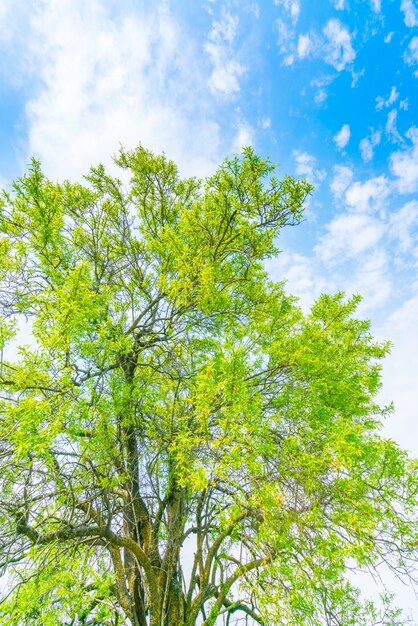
<point>325,88</point>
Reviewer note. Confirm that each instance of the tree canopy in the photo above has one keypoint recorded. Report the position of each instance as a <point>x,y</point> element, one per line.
<point>179,443</point>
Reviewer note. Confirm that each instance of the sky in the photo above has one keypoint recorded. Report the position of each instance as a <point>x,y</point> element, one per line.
<point>325,88</point>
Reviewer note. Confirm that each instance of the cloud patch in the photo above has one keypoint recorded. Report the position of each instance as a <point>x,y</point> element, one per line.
<point>404,164</point>
<point>129,79</point>
<point>341,180</point>
<point>306,166</point>
<point>411,54</point>
<point>349,235</point>
<point>305,46</point>
<point>226,71</point>
<point>410,12</point>
<point>243,138</point>
<point>368,144</point>
<point>339,5</point>
<point>404,224</point>
<point>333,44</point>
<point>302,275</point>
<point>382,102</point>
<point>342,138</point>
<point>368,196</point>
<point>338,48</point>
<point>292,7</point>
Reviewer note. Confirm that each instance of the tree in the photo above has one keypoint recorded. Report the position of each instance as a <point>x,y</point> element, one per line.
<point>180,444</point>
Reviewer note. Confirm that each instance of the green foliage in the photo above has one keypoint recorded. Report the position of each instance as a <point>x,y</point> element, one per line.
<point>172,399</point>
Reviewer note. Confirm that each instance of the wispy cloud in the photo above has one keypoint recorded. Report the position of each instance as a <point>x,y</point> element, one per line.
<point>342,177</point>
<point>410,12</point>
<point>264,122</point>
<point>342,138</point>
<point>305,279</point>
<point>338,50</point>
<point>320,83</point>
<point>339,4</point>
<point>100,92</point>
<point>404,164</point>
<point>285,42</point>
<point>382,102</point>
<point>333,44</point>
<point>349,234</point>
<point>368,196</point>
<point>292,7</point>
<point>403,224</point>
<point>243,138</point>
<point>306,166</point>
<point>226,71</point>
<point>305,46</point>
<point>411,54</point>
<point>368,144</point>
<point>399,371</point>
<point>391,126</point>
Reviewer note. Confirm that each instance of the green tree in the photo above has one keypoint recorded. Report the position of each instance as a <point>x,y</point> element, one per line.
<point>180,444</point>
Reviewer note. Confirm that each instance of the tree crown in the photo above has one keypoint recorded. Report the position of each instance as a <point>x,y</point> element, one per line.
<point>180,443</point>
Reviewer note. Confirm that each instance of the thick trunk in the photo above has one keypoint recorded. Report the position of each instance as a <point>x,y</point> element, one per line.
<point>167,606</point>
<point>171,610</point>
<point>172,601</point>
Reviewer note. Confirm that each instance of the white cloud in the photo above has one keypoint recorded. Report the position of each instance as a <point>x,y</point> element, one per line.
<point>338,49</point>
<point>411,54</point>
<point>5,10</point>
<point>253,8</point>
<point>243,138</point>
<point>320,96</point>
<point>289,60</point>
<point>225,28</point>
<point>400,371</point>
<point>356,77</point>
<point>391,128</point>
<point>308,277</point>
<point>381,102</point>
<point>339,4</point>
<point>394,95</point>
<point>291,6</point>
<point>403,225</point>
<point>389,37</point>
<point>368,144</point>
<point>376,5</point>
<point>369,195</point>
<point>306,166</point>
<point>265,122</point>
<point>106,79</point>
<point>225,75</point>
<point>305,45</point>
<point>226,70</point>
<point>410,12</point>
<point>404,104</point>
<point>285,42</point>
<point>333,45</point>
<point>15,64</point>
<point>302,276</point>
<point>404,164</point>
<point>349,235</point>
<point>372,280</point>
<point>320,83</point>
<point>343,175</point>
<point>342,138</point>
